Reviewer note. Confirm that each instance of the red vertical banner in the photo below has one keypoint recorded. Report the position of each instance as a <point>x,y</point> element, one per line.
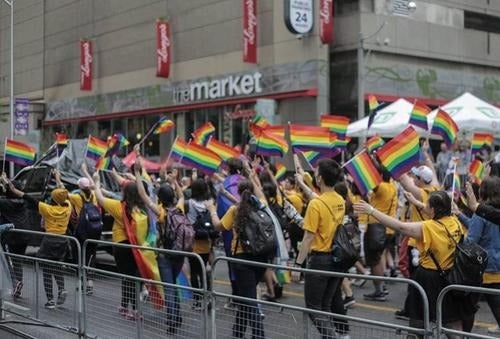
<point>163,56</point>
<point>250,31</point>
<point>326,21</point>
<point>85,65</point>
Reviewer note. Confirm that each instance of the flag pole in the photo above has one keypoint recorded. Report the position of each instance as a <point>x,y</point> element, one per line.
<point>182,156</point>
<point>147,134</point>
<point>453,182</point>
<point>170,152</point>
<point>4,152</point>
<point>44,155</point>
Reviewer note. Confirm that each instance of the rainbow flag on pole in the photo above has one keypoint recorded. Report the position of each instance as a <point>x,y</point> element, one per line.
<point>200,157</point>
<point>446,127</point>
<point>163,126</point>
<point>479,140</point>
<point>372,107</point>
<point>476,169</point>
<point>62,139</point>
<point>457,185</point>
<point>400,154</point>
<point>374,143</point>
<point>104,163</point>
<point>202,134</point>
<point>363,172</point>
<point>178,149</point>
<point>19,153</point>
<point>270,144</point>
<point>335,123</point>
<point>418,116</point>
<point>116,142</point>
<point>313,157</point>
<point>280,171</point>
<point>223,150</point>
<point>260,121</point>
<point>96,148</point>
<point>311,138</point>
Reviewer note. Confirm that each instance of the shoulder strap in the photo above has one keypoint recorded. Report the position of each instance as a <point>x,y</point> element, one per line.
<point>328,207</point>
<point>448,232</point>
<point>440,270</point>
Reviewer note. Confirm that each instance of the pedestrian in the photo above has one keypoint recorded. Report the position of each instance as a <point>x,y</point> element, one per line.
<point>55,221</point>
<point>442,160</point>
<point>323,215</point>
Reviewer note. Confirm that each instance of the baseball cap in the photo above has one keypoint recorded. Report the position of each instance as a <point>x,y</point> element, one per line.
<point>83,183</point>
<point>424,173</point>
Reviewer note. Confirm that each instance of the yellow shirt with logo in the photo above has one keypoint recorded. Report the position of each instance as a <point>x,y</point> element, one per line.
<point>435,238</point>
<point>384,199</point>
<point>322,219</point>
<point>55,217</point>
<point>114,208</point>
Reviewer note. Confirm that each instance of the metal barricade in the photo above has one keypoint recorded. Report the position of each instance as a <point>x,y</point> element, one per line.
<point>439,310</point>
<point>103,319</point>
<point>288,321</point>
<point>37,276</point>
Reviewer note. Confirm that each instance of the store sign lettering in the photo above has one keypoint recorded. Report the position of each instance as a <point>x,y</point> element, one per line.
<point>233,85</point>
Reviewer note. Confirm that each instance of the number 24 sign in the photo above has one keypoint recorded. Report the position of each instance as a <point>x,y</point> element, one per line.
<point>299,17</point>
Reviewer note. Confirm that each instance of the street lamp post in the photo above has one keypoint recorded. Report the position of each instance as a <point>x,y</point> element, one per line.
<point>10,3</point>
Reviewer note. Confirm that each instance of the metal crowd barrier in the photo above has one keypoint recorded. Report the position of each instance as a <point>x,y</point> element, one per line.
<point>290,327</point>
<point>441,329</point>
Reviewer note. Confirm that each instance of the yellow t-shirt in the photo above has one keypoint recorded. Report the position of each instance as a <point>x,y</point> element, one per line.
<point>436,239</point>
<point>384,199</point>
<point>362,217</point>
<point>491,278</point>
<point>322,219</point>
<point>227,222</point>
<point>114,208</point>
<point>417,214</point>
<point>55,217</point>
<point>296,200</point>
<point>77,202</point>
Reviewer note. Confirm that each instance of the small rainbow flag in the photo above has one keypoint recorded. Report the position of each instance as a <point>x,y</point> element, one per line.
<point>313,157</point>
<point>61,139</point>
<point>116,142</point>
<point>200,157</point>
<point>163,126</point>
<point>178,149</point>
<point>280,171</point>
<point>223,150</point>
<point>260,121</point>
<point>374,143</point>
<point>457,185</point>
<point>363,172</point>
<point>400,154</point>
<point>270,144</point>
<point>479,140</point>
<point>19,153</point>
<point>202,134</point>
<point>445,127</point>
<point>104,163</point>
<point>476,168</point>
<point>418,116</point>
<point>96,148</point>
<point>341,143</point>
<point>372,102</point>
<point>310,138</point>
<point>335,123</point>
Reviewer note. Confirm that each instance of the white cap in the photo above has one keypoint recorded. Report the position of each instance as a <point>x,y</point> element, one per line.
<point>424,173</point>
<point>83,183</point>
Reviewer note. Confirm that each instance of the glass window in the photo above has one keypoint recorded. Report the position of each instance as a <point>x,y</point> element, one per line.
<point>152,143</point>
<point>104,129</point>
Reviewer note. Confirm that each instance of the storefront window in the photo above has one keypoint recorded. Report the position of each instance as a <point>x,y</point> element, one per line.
<point>152,143</point>
<point>104,129</point>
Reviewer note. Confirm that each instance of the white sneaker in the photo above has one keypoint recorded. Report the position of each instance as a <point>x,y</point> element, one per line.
<point>494,330</point>
<point>144,295</point>
<point>343,336</point>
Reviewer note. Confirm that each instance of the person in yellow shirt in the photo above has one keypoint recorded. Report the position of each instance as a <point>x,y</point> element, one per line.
<point>55,221</point>
<point>432,236</point>
<point>323,215</point>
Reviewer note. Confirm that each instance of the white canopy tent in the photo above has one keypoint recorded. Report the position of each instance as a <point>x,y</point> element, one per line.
<point>471,114</point>
<point>389,121</point>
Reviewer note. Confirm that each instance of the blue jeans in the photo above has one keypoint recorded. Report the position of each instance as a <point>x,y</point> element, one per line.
<point>170,267</point>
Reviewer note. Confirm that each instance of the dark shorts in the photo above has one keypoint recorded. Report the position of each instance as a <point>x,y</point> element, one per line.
<point>374,243</point>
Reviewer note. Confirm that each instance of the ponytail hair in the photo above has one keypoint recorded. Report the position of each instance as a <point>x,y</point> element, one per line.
<point>440,201</point>
<point>245,190</point>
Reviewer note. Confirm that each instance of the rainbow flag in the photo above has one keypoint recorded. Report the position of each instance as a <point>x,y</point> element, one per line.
<point>418,116</point>
<point>104,163</point>
<point>364,173</point>
<point>374,143</point>
<point>280,171</point>
<point>96,148</point>
<point>341,143</point>
<point>163,126</point>
<point>310,138</point>
<point>457,185</point>
<point>313,157</point>
<point>476,168</point>
<point>479,140</point>
<point>201,158</point>
<point>335,123</point>
<point>270,144</point>
<point>178,149</point>
<point>116,142</point>
<point>19,153</point>
<point>283,276</point>
<point>445,127</point>
<point>223,150</point>
<point>202,134</point>
<point>400,154</point>
<point>372,102</point>
<point>260,121</point>
<point>61,139</point>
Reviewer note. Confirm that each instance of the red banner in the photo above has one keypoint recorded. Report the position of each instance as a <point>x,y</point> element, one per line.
<point>163,56</point>
<point>85,65</point>
<point>326,21</point>
<point>250,31</point>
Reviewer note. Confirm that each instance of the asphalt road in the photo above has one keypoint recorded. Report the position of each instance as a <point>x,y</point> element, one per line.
<point>104,321</point>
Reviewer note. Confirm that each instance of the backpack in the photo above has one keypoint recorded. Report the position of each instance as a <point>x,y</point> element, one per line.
<point>279,213</point>
<point>89,225</point>
<point>344,251</point>
<point>468,265</point>
<point>230,184</point>
<point>203,227</point>
<point>256,235</point>
<point>178,233</point>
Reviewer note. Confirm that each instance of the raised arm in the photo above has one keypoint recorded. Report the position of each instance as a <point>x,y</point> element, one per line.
<point>173,179</point>
<point>309,193</point>
<point>209,204</point>
<point>140,188</point>
<point>86,174</point>
<point>97,189</point>
<point>409,186</point>
<point>57,178</point>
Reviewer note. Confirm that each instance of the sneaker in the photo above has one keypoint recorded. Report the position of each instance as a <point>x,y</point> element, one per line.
<point>343,336</point>
<point>385,291</point>
<point>393,273</point>
<point>230,306</point>
<point>16,293</point>
<point>267,297</point>
<point>133,315</point>
<point>349,301</point>
<point>50,305</point>
<point>401,314</point>
<point>494,330</point>
<point>144,295</point>
<point>359,282</point>
<point>122,311</point>
<point>61,298</point>
<point>89,290</point>
<point>197,306</point>
<point>375,296</point>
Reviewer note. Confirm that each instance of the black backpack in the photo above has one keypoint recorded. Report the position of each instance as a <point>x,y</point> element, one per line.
<point>279,213</point>
<point>256,235</point>
<point>203,226</point>
<point>89,225</point>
